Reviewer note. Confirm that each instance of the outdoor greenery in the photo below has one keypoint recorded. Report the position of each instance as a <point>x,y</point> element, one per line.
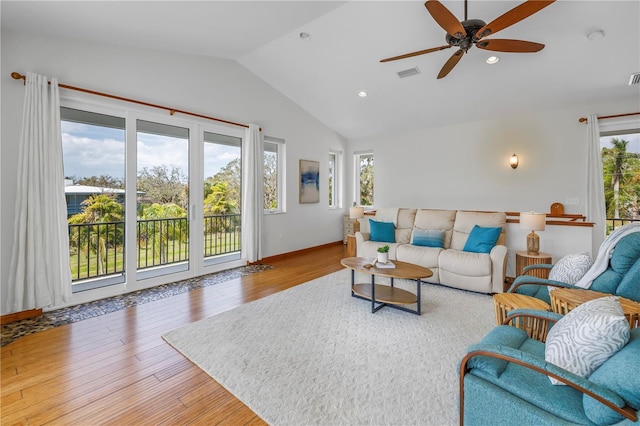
<point>621,175</point>
<point>366,180</point>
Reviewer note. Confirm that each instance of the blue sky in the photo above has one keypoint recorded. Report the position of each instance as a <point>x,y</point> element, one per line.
<point>95,150</point>
<point>633,139</point>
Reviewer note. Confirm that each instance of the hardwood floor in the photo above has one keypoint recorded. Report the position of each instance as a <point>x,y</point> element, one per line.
<point>116,369</point>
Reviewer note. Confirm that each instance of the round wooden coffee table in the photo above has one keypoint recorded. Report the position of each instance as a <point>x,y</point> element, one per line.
<point>387,295</point>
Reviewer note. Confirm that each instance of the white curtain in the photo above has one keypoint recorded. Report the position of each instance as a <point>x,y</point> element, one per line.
<point>39,274</point>
<point>252,194</point>
<point>596,211</point>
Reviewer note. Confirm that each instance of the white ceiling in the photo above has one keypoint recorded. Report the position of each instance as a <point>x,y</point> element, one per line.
<point>325,73</point>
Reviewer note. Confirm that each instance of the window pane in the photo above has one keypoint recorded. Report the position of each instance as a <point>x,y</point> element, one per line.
<point>331,174</point>
<point>222,194</point>
<point>365,175</point>
<point>271,199</point>
<point>621,175</point>
<point>163,194</point>
<point>94,163</point>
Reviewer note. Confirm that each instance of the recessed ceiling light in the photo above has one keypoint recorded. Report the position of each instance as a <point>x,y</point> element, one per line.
<point>362,94</point>
<point>492,60</point>
<point>305,36</point>
<point>595,35</point>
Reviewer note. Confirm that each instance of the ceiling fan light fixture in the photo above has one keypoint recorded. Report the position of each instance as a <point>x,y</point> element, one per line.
<point>492,60</point>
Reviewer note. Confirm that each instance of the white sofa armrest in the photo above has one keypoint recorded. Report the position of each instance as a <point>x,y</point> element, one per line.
<point>361,237</point>
<point>498,256</point>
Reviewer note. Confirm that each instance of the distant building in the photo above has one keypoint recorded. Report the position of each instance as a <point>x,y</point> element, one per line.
<point>76,194</point>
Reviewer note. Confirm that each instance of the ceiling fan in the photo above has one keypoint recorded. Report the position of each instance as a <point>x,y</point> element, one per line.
<point>465,34</point>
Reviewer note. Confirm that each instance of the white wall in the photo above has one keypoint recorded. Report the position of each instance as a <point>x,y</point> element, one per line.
<point>467,167</point>
<point>214,87</point>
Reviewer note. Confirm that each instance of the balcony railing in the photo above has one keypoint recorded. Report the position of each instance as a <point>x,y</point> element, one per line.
<point>97,249</point>
<point>616,223</point>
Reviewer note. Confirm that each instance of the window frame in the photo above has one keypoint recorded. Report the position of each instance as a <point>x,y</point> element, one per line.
<point>334,179</point>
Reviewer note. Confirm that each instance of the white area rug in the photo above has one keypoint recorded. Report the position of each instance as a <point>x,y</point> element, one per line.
<point>314,355</point>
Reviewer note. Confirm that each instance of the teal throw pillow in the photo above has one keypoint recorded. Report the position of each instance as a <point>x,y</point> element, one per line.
<point>482,240</point>
<point>427,238</point>
<point>383,232</point>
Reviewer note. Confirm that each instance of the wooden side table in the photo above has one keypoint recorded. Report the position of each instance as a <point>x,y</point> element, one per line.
<point>525,259</point>
<point>564,300</point>
<point>507,302</point>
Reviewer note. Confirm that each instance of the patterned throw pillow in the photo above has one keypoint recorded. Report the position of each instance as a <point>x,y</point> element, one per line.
<point>427,238</point>
<point>571,268</point>
<point>587,336</point>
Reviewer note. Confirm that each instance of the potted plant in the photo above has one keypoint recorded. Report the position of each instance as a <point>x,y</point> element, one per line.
<point>383,254</point>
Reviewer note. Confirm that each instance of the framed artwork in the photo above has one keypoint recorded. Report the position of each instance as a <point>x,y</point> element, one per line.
<point>309,181</point>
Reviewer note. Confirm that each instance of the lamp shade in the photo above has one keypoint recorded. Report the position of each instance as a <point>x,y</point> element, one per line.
<point>356,212</point>
<point>533,221</point>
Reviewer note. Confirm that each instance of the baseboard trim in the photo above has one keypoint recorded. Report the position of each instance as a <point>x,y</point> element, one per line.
<point>295,253</point>
<point>16,316</point>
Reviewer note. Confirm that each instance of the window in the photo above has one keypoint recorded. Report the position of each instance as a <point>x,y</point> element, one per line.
<point>334,179</point>
<point>93,147</point>
<point>222,196</point>
<point>621,175</point>
<point>140,185</point>
<point>274,175</point>
<point>363,178</point>
<point>162,187</point>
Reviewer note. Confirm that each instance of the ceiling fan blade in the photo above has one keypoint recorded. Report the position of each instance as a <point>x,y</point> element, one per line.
<point>504,45</point>
<point>445,19</point>
<point>513,16</point>
<point>452,62</point>
<point>419,52</point>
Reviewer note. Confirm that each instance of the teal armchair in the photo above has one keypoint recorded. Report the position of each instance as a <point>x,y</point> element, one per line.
<point>621,277</point>
<point>504,380</point>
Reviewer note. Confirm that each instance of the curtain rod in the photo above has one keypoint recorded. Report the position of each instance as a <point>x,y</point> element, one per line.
<point>18,76</point>
<point>584,120</point>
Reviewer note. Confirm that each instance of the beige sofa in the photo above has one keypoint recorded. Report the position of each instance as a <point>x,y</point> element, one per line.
<point>451,266</point>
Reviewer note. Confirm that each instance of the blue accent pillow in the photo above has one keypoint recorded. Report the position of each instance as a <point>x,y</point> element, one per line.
<point>383,232</point>
<point>427,238</point>
<point>482,240</point>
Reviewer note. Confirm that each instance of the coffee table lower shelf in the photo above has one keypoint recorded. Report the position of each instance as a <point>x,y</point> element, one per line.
<point>386,296</point>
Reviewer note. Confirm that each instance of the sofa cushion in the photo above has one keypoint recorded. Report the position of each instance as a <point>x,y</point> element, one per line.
<point>587,336</point>
<point>482,240</point>
<point>466,220</point>
<point>630,285</point>
<point>384,232</point>
<point>427,238</point>
<point>424,256</point>
<point>625,253</point>
<point>617,374</point>
<point>570,268</point>
<point>465,263</point>
<point>437,219</point>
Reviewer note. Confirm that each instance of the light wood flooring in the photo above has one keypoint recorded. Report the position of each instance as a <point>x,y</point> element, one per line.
<point>116,369</point>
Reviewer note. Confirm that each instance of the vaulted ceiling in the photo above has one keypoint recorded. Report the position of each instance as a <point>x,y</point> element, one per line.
<point>325,72</point>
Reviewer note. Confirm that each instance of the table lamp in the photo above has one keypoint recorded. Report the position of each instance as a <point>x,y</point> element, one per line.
<point>534,222</point>
<point>356,213</point>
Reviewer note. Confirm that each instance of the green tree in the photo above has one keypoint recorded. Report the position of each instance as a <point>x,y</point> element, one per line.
<point>226,184</point>
<point>621,175</point>
<point>98,210</point>
<point>366,180</point>
<point>162,185</point>
<point>270,181</point>
<point>102,181</point>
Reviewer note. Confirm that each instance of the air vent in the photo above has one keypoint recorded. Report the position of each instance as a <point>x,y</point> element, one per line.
<point>634,79</point>
<point>409,72</point>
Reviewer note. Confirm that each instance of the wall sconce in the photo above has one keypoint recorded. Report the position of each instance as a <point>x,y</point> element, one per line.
<point>513,161</point>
